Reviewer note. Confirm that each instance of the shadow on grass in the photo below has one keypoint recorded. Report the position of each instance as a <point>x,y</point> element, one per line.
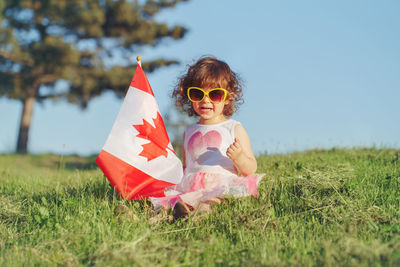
<point>77,165</point>
<point>73,196</point>
<point>77,162</point>
<point>27,211</point>
<point>96,189</point>
<point>52,161</point>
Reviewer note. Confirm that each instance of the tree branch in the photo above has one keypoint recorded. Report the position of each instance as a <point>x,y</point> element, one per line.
<point>11,57</point>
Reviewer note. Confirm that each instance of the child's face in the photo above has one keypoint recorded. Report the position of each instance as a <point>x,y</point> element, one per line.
<point>210,112</point>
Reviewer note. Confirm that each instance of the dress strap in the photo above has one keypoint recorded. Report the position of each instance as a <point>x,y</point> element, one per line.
<point>232,128</point>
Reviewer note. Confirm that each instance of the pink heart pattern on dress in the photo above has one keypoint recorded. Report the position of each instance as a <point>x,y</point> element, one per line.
<point>199,143</point>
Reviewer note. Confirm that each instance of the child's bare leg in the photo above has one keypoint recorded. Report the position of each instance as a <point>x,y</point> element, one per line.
<point>215,200</point>
<point>206,207</point>
<point>203,208</point>
<point>160,216</point>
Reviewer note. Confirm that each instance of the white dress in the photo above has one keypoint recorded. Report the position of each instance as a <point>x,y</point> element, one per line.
<point>209,173</point>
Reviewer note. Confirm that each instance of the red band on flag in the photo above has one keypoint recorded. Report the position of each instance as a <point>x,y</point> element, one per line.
<point>140,81</point>
<point>130,182</point>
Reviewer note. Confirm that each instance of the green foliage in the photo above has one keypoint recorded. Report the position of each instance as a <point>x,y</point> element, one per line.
<point>334,208</point>
<point>42,42</point>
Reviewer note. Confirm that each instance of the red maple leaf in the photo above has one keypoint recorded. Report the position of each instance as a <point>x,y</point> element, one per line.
<point>157,136</point>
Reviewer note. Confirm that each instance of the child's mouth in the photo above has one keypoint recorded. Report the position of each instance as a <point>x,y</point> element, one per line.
<point>205,109</point>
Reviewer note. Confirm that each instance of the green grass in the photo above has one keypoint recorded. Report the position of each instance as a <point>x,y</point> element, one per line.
<point>333,207</point>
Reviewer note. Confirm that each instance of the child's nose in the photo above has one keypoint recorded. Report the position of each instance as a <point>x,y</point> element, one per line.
<point>206,99</point>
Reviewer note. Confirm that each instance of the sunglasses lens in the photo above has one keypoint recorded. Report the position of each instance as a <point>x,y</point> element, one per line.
<point>217,95</point>
<point>196,94</point>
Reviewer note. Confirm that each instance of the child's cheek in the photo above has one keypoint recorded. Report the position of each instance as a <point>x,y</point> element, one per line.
<point>196,107</point>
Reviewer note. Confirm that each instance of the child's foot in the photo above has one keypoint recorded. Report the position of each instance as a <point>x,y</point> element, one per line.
<point>160,217</point>
<point>203,208</point>
<point>215,200</point>
<point>206,207</point>
<point>181,210</point>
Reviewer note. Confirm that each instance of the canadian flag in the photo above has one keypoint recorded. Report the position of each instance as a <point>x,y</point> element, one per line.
<point>138,158</point>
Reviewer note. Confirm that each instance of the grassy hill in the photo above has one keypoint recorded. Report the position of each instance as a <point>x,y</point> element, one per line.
<point>322,207</point>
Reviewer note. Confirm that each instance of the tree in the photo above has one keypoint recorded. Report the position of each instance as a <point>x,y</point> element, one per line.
<point>47,41</point>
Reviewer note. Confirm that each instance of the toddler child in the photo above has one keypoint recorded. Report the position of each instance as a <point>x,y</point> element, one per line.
<point>218,160</point>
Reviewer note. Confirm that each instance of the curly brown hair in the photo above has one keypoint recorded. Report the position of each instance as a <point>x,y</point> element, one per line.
<point>209,72</point>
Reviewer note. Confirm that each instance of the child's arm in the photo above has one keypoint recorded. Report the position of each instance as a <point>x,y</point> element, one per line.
<point>240,152</point>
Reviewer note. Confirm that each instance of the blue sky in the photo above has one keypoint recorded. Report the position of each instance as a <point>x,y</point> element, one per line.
<point>318,74</point>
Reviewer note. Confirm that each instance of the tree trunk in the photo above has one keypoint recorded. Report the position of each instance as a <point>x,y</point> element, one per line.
<point>25,124</point>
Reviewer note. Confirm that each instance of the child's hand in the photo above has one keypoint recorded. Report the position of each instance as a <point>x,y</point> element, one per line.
<point>235,150</point>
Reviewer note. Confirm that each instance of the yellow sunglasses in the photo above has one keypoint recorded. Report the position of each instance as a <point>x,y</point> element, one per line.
<point>216,95</point>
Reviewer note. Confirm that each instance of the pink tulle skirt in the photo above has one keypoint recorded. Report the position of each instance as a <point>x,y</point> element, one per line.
<point>200,187</point>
